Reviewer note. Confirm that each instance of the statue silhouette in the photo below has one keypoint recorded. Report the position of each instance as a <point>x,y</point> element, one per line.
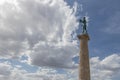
<point>84,24</point>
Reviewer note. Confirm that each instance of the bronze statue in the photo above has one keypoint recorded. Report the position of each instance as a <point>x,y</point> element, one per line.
<point>84,24</point>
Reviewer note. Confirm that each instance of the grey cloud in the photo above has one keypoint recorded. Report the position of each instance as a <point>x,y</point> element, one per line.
<point>54,57</point>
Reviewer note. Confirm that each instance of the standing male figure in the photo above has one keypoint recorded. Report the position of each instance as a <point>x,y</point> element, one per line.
<point>84,24</point>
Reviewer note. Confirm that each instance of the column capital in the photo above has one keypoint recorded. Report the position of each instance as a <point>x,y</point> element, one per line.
<point>83,36</point>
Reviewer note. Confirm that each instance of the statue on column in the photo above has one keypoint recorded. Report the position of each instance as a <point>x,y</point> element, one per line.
<point>84,25</point>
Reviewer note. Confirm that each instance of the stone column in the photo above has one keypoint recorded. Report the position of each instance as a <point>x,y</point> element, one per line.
<point>84,68</point>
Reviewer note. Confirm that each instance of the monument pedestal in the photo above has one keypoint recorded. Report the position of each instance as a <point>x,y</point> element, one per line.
<point>84,68</point>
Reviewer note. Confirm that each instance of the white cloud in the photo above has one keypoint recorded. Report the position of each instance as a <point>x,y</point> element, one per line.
<point>8,72</point>
<point>44,28</point>
<point>101,69</point>
<point>5,69</point>
<point>106,69</point>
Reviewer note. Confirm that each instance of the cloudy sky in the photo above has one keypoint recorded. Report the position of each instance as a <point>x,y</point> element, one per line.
<point>38,39</point>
